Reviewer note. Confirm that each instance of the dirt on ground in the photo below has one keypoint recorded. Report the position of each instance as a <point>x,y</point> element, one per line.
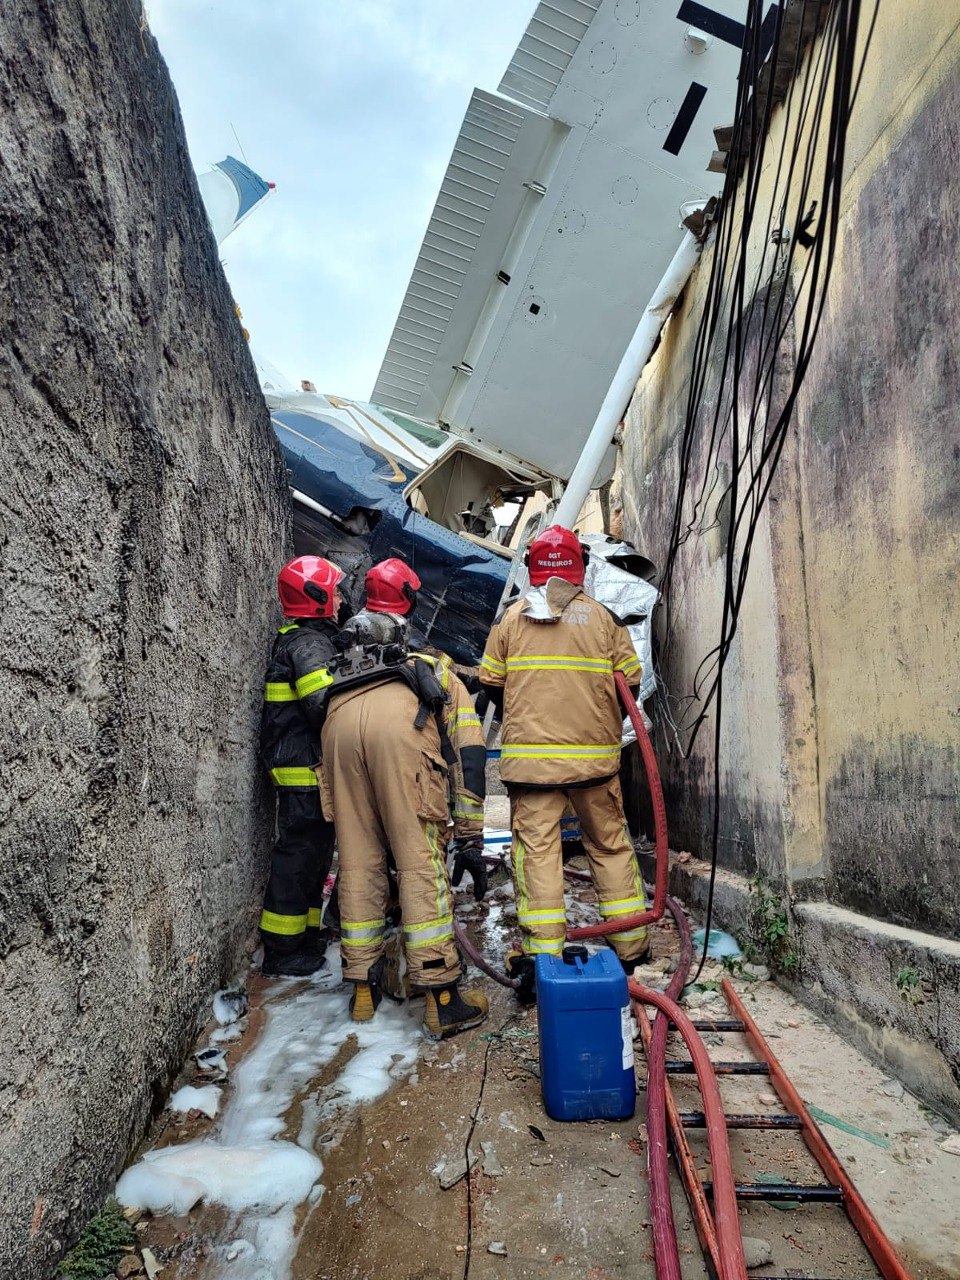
<point>565,1201</point>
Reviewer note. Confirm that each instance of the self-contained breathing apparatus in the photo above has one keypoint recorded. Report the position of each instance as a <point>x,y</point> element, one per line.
<point>371,648</point>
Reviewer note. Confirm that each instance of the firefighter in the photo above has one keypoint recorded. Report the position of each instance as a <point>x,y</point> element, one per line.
<point>548,667</point>
<point>392,587</point>
<point>390,735</point>
<point>467,788</point>
<point>290,747</point>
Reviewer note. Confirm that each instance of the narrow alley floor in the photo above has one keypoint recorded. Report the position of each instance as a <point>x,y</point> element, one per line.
<point>340,1152</point>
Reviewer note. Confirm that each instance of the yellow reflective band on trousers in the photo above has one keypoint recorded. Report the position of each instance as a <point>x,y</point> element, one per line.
<point>518,855</point>
<point>312,681</point>
<point>466,808</point>
<point>623,907</point>
<point>631,935</point>
<point>429,933</point>
<point>293,777</point>
<point>357,931</point>
<point>313,918</point>
<point>547,916</point>
<point>559,662</point>
<point>280,692</point>
<point>542,946</point>
<point>439,871</point>
<point>288,926</point>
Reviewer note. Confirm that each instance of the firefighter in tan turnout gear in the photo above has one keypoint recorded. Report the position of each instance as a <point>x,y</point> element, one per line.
<point>390,737</point>
<point>548,666</point>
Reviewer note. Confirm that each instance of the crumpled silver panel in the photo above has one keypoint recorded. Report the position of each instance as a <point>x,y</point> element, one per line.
<point>630,598</point>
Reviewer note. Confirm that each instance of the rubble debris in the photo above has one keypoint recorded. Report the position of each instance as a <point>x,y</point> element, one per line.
<point>190,1098</point>
<point>826,1118</point>
<point>491,1166</point>
<point>892,1088</point>
<point>757,1252</point>
<point>211,1061</point>
<point>951,1145</point>
<point>230,1006</point>
<point>453,1169</point>
<point>128,1266</point>
<point>151,1265</point>
<point>498,1248</point>
<point>537,1133</point>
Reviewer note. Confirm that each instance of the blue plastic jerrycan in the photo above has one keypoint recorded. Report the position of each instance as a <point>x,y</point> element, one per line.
<point>586,1036</point>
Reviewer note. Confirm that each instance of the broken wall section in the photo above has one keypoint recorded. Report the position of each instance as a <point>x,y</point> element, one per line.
<point>142,516</point>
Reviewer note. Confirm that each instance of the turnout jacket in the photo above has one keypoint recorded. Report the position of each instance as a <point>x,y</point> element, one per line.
<point>461,725</point>
<point>469,775</point>
<point>561,717</point>
<point>296,672</point>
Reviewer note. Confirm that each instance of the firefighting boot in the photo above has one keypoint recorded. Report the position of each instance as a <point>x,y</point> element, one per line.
<point>642,957</point>
<point>291,964</point>
<point>366,996</point>
<point>523,969</point>
<point>316,939</point>
<point>447,1012</point>
<point>364,1001</point>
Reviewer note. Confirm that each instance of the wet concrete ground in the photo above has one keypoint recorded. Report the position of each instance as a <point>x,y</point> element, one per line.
<point>566,1201</point>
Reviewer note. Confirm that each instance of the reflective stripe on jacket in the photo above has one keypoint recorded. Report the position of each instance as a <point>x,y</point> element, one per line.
<point>289,745</point>
<point>561,717</point>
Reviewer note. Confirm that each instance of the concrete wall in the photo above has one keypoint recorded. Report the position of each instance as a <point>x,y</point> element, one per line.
<point>840,714</point>
<point>142,516</point>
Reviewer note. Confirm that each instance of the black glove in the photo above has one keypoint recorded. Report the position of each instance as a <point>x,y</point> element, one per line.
<point>468,856</point>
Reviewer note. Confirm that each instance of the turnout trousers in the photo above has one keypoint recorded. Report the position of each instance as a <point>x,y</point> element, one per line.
<point>538,864</point>
<point>299,866</point>
<point>385,786</point>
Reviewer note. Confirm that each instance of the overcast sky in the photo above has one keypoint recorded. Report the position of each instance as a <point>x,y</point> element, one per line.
<point>352,108</point>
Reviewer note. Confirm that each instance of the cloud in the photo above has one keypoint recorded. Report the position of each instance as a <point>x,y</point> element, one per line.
<point>352,108</point>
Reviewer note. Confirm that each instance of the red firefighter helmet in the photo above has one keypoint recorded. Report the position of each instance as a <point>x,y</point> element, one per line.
<point>306,586</point>
<point>392,587</point>
<point>557,553</point>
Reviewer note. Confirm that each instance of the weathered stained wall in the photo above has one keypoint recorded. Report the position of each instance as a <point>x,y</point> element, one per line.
<point>840,715</point>
<point>839,761</point>
<point>142,515</point>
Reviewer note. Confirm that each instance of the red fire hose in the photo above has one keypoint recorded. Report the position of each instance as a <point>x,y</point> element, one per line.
<point>665,1249</point>
<point>725,1212</point>
<point>623,923</point>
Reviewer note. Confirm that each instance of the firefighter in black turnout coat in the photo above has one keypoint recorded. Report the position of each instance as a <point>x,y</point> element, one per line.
<point>290,920</point>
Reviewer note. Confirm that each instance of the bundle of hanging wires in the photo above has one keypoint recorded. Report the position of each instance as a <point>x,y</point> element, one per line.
<point>764,302</point>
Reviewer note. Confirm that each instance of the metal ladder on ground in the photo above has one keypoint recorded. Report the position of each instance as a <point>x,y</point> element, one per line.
<point>836,1189</point>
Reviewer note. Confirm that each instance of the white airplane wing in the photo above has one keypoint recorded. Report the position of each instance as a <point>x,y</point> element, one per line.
<point>557,216</point>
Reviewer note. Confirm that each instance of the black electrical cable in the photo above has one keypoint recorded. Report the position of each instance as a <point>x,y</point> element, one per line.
<point>755,312</point>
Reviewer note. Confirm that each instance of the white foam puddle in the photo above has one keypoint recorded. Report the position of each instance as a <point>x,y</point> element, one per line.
<point>248,1168</point>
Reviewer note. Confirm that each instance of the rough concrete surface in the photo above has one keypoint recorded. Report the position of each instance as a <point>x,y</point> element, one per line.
<point>142,515</point>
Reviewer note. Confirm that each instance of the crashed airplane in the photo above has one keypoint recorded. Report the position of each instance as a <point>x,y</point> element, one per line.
<point>516,346</point>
